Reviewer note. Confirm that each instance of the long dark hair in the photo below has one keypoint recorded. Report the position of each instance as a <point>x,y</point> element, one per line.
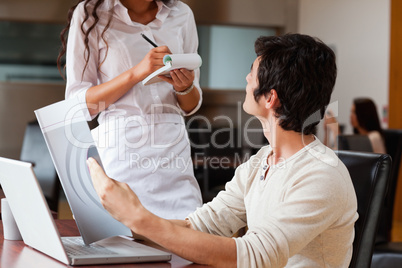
<point>90,11</point>
<point>367,116</point>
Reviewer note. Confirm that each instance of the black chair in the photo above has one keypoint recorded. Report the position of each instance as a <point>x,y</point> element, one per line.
<point>387,253</point>
<point>220,152</point>
<point>35,151</point>
<point>370,176</point>
<point>393,144</point>
<point>359,143</point>
<point>362,143</point>
<point>197,152</point>
<point>216,153</point>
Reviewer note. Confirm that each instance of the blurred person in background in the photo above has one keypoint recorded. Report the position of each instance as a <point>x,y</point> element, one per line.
<point>364,120</point>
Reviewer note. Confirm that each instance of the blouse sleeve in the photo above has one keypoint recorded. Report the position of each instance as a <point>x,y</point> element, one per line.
<point>81,75</point>
<point>190,37</point>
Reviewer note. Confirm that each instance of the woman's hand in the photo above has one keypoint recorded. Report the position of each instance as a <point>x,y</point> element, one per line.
<point>151,62</point>
<point>181,79</point>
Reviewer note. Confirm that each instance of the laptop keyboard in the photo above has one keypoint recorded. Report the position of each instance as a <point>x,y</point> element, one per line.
<point>74,246</point>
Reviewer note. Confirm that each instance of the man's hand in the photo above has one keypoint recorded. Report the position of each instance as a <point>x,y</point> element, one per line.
<point>174,235</point>
<point>116,197</point>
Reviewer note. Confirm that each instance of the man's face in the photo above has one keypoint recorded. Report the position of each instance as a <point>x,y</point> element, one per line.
<point>250,106</point>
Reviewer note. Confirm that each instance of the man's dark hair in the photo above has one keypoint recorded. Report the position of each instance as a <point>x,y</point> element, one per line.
<point>302,70</point>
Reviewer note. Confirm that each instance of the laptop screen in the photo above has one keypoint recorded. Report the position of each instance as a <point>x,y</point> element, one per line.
<point>70,143</point>
<point>29,208</point>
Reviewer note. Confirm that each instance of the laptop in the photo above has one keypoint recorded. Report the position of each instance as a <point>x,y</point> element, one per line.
<point>39,231</point>
<point>70,143</point>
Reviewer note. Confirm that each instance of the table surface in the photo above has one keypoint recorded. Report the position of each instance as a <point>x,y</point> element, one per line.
<point>16,253</point>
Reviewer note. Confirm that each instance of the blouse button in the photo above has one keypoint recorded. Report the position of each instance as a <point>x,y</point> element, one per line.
<point>265,167</point>
<point>262,177</point>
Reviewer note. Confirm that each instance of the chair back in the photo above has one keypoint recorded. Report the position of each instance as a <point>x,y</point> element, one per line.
<point>370,176</point>
<point>222,153</point>
<point>35,151</point>
<point>393,145</point>
<point>360,143</point>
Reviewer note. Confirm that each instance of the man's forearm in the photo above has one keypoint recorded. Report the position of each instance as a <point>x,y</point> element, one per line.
<point>196,246</point>
<point>182,223</point>
<point>176,236</point>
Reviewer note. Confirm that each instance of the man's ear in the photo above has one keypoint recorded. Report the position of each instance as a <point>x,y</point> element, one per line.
<point>272,99</point>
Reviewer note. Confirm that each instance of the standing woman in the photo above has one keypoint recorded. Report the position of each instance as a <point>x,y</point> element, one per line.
<point>141,135</point>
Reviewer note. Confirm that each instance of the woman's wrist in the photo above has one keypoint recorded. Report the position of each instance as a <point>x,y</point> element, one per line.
<point>185,91</point>
<point>136,75</point>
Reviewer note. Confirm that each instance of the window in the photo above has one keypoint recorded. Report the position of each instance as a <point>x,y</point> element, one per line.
<point>28,51</point>
<point>227,53</point>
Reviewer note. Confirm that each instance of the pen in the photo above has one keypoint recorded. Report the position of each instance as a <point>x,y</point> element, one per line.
<point>148,40</point>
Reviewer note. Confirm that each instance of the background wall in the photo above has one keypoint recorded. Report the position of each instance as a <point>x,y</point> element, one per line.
<point>227,54</point>
<point>223,108</point>
<point>18,98</point>
<point>17,104</point>
<point>358,31</point>
<point>38,10</point>
<point>280,13</point>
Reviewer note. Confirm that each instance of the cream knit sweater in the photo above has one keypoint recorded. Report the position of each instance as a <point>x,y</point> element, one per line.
<point>301,214</point>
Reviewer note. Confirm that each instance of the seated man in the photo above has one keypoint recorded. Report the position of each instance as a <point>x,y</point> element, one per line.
<point>295,196</point>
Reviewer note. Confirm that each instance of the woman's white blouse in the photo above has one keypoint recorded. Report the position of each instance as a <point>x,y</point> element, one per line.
<point>174,27</point>
<point>141,138</point>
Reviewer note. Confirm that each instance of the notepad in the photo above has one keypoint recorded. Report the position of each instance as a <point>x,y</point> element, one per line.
<point>190,61</point>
